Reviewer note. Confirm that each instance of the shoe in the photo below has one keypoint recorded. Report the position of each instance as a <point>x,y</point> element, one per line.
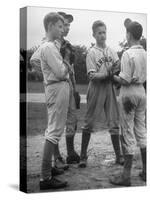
<point>120,160</point>
<point>120,180</point>
<point>83,163</point>
<point>56,171</point>
<point>61,164</point>
<point>73,158</point>
<point>143,176</point>
<point>52,184</point>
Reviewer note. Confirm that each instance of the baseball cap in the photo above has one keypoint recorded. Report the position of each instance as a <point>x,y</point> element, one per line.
<point>127,22</point>
<point>134,28</point>
<point>66,16</point>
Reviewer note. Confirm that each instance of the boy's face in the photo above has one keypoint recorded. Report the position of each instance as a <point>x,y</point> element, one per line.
<point>66,27</point>
<point>57,30</point>
<point>100,34</point>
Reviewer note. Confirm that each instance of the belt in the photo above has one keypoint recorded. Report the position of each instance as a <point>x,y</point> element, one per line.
<point>54,81</point>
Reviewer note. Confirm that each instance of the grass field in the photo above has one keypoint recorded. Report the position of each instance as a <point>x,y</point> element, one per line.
<point>37,87</point>
<point>37,118</point>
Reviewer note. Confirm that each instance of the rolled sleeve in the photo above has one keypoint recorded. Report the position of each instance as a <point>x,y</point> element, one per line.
<point>90,63</point>
<point>125,77</point>
<point>35,60</point>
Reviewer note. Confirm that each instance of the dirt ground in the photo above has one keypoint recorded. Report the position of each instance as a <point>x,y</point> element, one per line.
<point>101,158</point>
<point>101,164</point>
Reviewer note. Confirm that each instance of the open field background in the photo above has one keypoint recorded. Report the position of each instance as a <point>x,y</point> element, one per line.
<point>101,161</point>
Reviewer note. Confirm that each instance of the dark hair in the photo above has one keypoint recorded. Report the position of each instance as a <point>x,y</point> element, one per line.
<point>135,29</point>
<point>97,24</point>
<point>66,16</point>
<point>51,18</point>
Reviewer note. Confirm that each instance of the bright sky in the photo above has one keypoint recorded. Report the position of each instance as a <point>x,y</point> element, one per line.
<point>80,29</point>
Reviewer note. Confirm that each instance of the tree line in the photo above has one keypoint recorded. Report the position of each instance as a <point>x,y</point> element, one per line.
<point>79,64</point>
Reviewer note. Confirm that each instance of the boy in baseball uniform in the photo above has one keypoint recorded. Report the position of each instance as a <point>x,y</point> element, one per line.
<point>55,72</point>
<point>71,123</point>
<point>132,100</point>
<point>101,62</point>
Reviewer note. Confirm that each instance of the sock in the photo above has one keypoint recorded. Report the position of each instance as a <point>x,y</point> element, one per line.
<point>85,141</point>
<point>127,166</point>
<point>116,145</point>
<point>56,152</point>
<point>70,144</point>
<point>47,159</point>
<point>143,155</point>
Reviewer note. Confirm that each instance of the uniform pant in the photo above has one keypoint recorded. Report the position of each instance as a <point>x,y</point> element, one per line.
<point>71,123</point>
<point>102,107</point>
<point>57,100</point>
<point>132,102</point>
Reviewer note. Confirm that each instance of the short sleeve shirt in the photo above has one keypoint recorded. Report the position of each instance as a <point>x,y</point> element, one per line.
<point>133,64</point>
<point>52,64</point>
<point>99,60</point>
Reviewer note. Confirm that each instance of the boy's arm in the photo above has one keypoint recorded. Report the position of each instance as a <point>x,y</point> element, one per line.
<point>35,60</point>
<point>119,80</point>
<point>126,68</point>
<point>54,60</point>
<point>97,75</point>
<point>115,69</point>
<point>125,76</point>
<point>92,69</point>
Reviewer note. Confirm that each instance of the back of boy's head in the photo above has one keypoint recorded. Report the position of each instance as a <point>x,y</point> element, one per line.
<point>52,18</point>
<point>66,16</point>
<point>135,29</point>
<point>96,24</point>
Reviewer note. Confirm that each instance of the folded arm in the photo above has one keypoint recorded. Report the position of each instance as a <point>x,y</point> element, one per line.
<point>54,60</point>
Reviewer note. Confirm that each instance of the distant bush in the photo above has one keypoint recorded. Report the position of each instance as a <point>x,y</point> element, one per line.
<point>34,76</point>
<point>80,65</point>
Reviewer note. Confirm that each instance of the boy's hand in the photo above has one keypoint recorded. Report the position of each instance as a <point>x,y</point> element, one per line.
<point>116,78</point>
<point>134,80</point>
<point>67,65</point>
<point>91,75</point>
<point>115,68</point>
<point>67,55</point>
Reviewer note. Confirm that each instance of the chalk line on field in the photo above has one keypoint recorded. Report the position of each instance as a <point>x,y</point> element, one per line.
<point>40,98</point>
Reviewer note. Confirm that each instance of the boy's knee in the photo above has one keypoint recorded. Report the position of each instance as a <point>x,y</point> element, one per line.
<point>141,138</point>
<point>53,138</point>
<point>71,130</point>
<point>114,131</point>
<point>142,144</point>
<point>87,130</point>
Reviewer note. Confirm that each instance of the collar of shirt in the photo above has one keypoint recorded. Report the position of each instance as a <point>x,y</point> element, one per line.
<point>57,43</point>
<point>96,47</point>
<point>136,47</point>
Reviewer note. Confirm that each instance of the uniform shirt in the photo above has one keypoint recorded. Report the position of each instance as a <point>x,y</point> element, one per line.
<point>133,64</point>
<point>102,108</point>
<point>51,62</point>
<point>35,58</point>
<point>100,60</point>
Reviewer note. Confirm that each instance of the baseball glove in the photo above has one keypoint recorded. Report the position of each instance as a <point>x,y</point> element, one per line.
<point>67,46</point>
